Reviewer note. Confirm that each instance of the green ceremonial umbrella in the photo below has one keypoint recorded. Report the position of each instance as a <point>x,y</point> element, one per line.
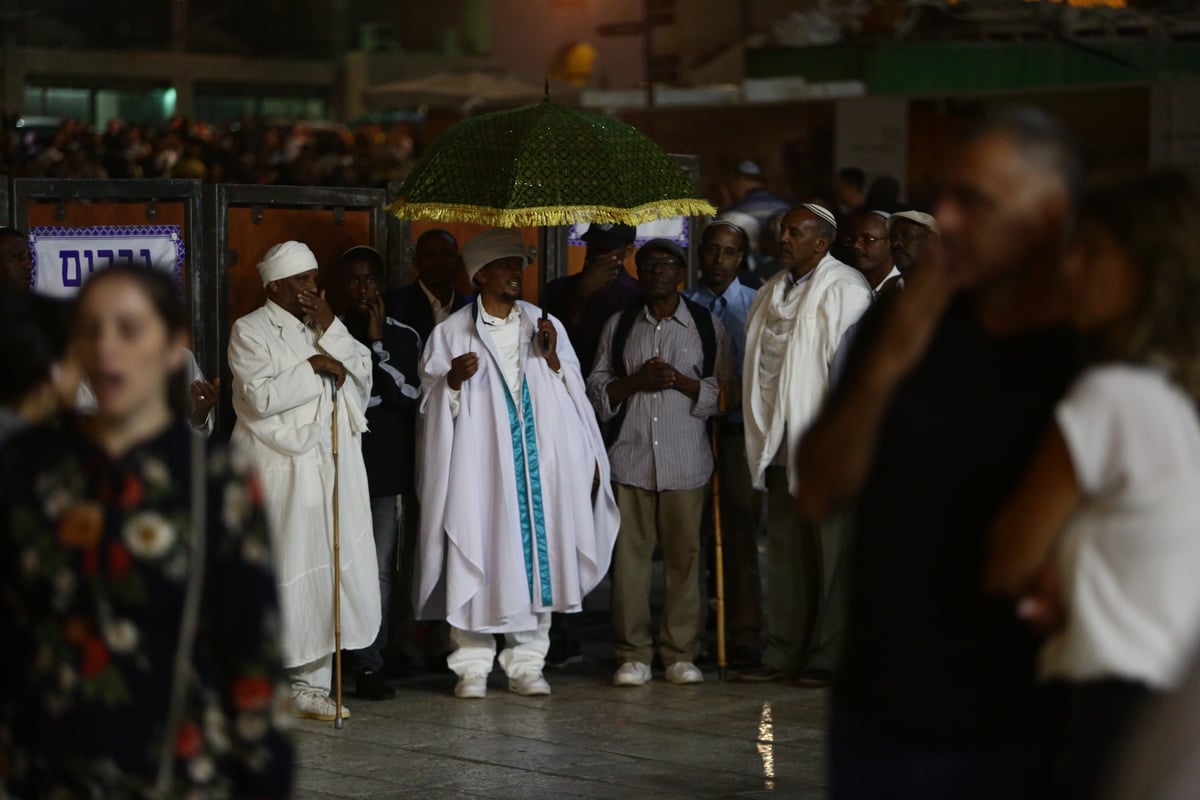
<point>546,164</point>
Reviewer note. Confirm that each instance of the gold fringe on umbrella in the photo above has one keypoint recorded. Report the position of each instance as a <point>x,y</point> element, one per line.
<point>550,215</point>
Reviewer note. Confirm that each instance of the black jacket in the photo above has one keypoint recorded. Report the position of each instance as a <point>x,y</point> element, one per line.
<point>389,448</point>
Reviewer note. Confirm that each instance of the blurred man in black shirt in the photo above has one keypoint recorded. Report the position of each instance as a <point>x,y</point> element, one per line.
<point>947,392</point>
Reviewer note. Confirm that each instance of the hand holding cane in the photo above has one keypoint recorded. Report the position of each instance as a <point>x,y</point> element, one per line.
<point>337,574</point>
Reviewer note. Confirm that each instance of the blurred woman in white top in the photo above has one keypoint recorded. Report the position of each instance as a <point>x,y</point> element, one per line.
<point>1100,544</point>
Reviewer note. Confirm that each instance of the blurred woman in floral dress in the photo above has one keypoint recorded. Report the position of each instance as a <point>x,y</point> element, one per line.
<point>137,606</point>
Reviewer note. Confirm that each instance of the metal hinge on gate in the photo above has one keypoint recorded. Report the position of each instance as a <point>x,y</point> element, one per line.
<point>256,214</point>
<point>151,211</point>
<point>339,215</point>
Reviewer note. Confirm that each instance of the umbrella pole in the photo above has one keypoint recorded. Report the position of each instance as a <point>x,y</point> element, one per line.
<point>718,546</point>
<point>337,577</point>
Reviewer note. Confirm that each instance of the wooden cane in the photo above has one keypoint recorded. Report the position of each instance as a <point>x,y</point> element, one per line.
<point>717,543</point>
<point>337,576</point>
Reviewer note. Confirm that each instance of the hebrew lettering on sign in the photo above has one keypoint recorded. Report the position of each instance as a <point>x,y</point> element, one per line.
<point>64,258</point>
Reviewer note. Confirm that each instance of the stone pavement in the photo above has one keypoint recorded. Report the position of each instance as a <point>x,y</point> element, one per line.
<point>587,740</point>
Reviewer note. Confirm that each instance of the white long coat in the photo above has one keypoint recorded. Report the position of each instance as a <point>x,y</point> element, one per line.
<point>817,314</point>
<point>472,555</point>
<point>285,415</point>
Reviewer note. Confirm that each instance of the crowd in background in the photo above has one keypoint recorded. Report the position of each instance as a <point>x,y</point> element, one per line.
<point>247,151</point>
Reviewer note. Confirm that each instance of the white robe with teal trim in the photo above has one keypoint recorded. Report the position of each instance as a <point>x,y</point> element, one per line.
<point>509,526</point>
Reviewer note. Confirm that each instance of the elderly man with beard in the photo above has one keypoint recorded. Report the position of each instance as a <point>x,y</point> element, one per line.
<point>657,379</point>
<point>518,517</point>
<point>286,358</point>
<point>793,335</point>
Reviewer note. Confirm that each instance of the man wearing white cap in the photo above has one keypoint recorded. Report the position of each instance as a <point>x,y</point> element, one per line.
<point>517,512</point>
<point>285,358</point>
<point>793,333</point>
<point>911,233</point>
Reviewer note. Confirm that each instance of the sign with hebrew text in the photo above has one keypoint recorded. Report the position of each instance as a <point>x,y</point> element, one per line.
<point>63,258</point>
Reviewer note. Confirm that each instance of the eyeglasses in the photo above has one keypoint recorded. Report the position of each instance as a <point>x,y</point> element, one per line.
<point>866,239</point>
<point>659,265</point>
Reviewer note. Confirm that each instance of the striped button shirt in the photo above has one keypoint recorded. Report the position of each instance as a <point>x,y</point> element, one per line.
<point>663,445</point>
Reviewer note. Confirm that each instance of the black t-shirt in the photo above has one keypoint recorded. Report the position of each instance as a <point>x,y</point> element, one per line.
<point>928,654</point>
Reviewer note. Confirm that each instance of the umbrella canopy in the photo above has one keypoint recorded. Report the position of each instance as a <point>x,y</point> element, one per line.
<point>545,164</point>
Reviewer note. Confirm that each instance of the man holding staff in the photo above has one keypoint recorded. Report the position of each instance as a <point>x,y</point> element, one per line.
<point>285,359</point>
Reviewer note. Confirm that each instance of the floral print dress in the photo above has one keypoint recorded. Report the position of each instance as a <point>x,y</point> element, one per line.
<point>94,561</point>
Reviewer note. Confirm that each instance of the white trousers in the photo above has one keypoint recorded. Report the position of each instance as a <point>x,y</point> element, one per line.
<point>313,675</point>
<point>524,652</point>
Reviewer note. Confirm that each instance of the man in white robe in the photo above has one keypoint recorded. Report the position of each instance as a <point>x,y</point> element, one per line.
<point>286,358</point>
<point>793,333</point>
<point>518,517</point>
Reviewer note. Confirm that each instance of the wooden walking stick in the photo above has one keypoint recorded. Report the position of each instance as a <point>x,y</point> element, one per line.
<point>337,576</point>
<point>717,544</point>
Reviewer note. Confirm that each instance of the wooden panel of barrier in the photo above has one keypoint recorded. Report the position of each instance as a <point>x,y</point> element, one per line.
<point>252,232</point>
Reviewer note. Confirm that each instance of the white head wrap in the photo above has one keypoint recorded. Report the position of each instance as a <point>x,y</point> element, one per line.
<point>493,245</point>
<point>285,260</point>
<point>822,212</point>
<point>916,217</point>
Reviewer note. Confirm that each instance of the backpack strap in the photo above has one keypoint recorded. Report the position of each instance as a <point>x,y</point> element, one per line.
<point>612,429</point>
<point>708,335</point>
<point>621,335</point>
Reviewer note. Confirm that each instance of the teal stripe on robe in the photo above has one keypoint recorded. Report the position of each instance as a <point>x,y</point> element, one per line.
<point>529,492</point>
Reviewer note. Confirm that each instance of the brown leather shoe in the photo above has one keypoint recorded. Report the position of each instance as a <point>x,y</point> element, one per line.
<point>764,675</point>
<point>814,679</point>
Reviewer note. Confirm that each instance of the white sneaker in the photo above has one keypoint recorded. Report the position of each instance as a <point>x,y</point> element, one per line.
<point>684,672</point>
<point>530,684</point>
<point>632,673</point>
<point>471,687</point>
<point>315,704</point>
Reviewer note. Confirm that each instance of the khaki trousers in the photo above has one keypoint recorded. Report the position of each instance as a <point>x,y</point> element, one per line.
<point>672,520</point>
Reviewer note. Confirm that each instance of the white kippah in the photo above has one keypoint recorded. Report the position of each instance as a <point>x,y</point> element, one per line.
<point>285,260</point>
<point>822,212</point>
<point>884,214</point>
<point>749,225</point>
<point>493,245</point>
<point>915,217</point>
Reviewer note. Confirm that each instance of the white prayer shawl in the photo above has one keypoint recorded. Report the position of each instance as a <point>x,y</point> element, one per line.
<point>285,415</point>
<point>819,311</point>
<point>486,564</point>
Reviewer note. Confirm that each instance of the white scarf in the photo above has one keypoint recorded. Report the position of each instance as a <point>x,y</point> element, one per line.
<point>819,311</point>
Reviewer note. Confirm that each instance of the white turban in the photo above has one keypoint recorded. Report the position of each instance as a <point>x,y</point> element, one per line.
<point>285,260</point>
<point>916,217</point>
<point>493,245</point>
